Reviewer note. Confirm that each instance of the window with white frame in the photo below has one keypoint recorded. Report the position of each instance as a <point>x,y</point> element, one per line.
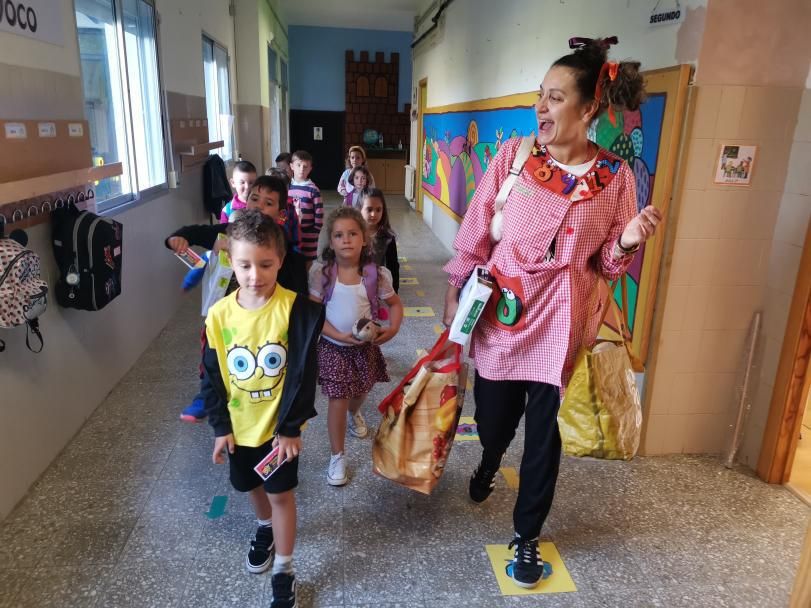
<point>218,98</point>
<point>275,130</point>
<point>122,95</point>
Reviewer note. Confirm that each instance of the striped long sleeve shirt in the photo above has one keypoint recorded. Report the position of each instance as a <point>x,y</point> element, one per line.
<point>306,198</point>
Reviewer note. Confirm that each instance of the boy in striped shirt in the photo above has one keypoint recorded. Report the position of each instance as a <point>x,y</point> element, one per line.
<point>306,198</point>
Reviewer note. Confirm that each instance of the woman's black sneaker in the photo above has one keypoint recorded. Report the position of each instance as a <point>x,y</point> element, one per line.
<point>260,554</point>
<point>482,482</point>
<point>526,567</point>
<point>284,590</point>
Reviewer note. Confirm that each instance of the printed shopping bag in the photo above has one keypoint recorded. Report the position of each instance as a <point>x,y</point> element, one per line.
<point>420,416</point>
<point>601,413</point>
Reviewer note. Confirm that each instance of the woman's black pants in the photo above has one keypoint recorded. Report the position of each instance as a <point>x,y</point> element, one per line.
<point>499,407</point>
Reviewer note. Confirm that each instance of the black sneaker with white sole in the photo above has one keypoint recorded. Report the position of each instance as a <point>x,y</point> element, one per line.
<point>483,482</point>
<point>260,554</point>
<point>526,567</point>
<point>284,590</point>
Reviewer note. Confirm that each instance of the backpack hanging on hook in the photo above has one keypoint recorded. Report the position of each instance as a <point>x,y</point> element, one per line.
<point>88,253</point>
<point>23,293</point>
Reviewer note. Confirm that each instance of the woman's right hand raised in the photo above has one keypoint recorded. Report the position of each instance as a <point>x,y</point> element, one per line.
<point>451,305</point>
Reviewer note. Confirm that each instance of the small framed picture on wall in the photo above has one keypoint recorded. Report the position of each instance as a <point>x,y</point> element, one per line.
<point>735,164</point>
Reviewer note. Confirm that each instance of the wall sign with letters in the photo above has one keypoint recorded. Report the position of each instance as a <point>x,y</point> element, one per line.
<point>38,19</point>
<point>667,15</point>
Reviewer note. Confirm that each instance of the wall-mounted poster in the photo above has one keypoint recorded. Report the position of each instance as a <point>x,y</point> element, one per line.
<point>735,164</point>
<point>460,140</point>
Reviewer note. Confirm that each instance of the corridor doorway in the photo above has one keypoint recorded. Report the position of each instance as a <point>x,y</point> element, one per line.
<point>420,142</point>
<point>783,456</point>
<point>799,480</point>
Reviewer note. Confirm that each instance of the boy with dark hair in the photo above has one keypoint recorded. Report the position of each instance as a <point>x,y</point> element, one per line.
<point>306,198</point>
<point>283,162</point>
<point>242,178</point>
<point>266,195</point>
<point>259,389</point>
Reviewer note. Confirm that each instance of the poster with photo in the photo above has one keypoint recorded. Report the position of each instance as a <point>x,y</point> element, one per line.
<point>735,164</point>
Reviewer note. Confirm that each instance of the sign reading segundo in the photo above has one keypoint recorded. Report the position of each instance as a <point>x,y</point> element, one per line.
<point>38,19</point>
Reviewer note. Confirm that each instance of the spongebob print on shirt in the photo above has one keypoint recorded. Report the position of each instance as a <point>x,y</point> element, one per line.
<point>256,375</point>
<point>252,352</point>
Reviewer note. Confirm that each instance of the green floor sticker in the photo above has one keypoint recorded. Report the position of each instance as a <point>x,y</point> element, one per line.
<point>217,507</point>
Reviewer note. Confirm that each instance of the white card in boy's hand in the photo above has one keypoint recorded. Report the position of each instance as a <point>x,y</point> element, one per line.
<point>269,464</point>
<point>191,259</point>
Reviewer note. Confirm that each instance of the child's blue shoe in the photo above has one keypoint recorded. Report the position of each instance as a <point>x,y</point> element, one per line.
<point>195,412</point>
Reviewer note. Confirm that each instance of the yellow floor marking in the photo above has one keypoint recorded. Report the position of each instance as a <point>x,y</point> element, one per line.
<point>409,281</point>
<point>510,476</point>
<point>420,293</point>
<point>418,311</point>
<point>406,267</point>
<point>556,578</point>
<point>467,430</point>
<point>438,329</point>
<point>470,384</point>
<point>402,259</point>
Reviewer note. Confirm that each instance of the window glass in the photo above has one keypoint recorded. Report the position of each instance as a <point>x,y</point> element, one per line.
<point>122,95</point>
<point>142,67</point>
<point>218,97</point>
<point>103,94</point>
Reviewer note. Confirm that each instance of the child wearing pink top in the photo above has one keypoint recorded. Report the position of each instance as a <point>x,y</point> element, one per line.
<point>242,179</point>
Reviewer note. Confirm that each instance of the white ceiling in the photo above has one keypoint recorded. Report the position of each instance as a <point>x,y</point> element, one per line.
<point>397,15</point>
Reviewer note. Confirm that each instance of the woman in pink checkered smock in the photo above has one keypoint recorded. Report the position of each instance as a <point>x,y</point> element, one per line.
<point>570,217</point>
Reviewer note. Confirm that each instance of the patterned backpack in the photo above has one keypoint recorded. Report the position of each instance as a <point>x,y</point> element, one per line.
<point>23,293</point>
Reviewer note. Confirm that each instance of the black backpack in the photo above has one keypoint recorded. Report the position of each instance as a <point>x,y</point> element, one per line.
<point>88,251</point>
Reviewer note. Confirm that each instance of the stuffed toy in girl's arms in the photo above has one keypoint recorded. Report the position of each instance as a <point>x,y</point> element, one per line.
<point>365,330</point>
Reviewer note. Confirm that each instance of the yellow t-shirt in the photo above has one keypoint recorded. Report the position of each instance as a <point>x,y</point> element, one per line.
<point>251,348</point>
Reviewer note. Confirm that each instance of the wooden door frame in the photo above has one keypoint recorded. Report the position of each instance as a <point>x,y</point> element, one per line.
<point>422,86</point>
<point>791,383</point>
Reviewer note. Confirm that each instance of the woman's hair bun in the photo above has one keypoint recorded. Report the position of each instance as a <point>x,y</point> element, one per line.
<point>625,91</point>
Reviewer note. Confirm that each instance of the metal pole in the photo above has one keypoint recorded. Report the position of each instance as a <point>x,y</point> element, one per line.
<point>743,403</point>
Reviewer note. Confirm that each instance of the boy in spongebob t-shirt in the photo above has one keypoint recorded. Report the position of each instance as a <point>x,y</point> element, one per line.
<point>259,389</point>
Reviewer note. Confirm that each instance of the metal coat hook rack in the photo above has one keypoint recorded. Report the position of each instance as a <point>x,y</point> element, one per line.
<point>42,206</point>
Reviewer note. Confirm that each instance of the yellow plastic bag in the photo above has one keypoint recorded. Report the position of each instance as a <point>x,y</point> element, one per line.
<point>601,413</point>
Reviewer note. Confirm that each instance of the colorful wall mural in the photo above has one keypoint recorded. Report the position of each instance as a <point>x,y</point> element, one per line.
<point>635,137</point>
<point>458,147</point>
<point>459,141</point>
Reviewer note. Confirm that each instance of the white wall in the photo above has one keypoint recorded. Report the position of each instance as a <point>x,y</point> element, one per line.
<point>183,23</point>
<point>30,53</point>
<point>488,49</point>
<point>47,397</point>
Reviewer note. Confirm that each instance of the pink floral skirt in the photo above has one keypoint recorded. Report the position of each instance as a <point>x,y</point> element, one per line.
<point>349,371</point>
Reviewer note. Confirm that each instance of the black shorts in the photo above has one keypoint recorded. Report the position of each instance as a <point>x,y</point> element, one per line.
<point>245,479</point>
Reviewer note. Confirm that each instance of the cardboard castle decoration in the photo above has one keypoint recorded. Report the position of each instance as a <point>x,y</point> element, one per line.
<point>371,100</point>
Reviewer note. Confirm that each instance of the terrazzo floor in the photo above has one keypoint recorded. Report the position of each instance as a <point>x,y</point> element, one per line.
<point>121,516</point>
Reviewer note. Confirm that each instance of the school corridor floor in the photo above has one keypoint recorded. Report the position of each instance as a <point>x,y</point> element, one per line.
<point>131,513</point>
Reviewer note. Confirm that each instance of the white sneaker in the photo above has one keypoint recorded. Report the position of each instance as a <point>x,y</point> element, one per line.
<point>357,425</point>
<point>336,473</point>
